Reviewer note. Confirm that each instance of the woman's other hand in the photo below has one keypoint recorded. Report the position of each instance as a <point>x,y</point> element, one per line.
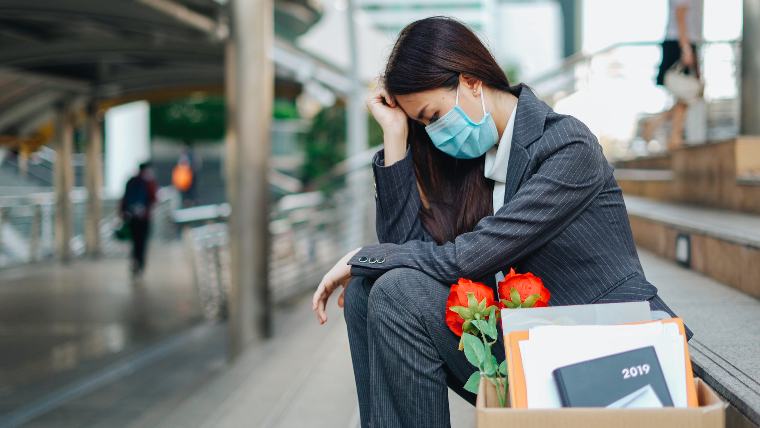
<point>392,120</point>
<point>337,276</point>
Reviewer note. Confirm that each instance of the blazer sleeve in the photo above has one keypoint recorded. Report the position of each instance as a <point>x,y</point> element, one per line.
<point>397,201</point>
<point>570,176</point>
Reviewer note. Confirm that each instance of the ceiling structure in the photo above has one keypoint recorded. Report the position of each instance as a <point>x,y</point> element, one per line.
<point>75,52</point>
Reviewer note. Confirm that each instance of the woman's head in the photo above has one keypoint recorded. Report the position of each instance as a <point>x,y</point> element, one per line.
<point>432,60</point>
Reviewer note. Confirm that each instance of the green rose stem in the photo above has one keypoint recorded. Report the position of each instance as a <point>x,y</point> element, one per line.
<point>478,336</point>
<point>479,333</point>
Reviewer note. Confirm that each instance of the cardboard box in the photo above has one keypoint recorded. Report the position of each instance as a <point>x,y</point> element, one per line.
<point>711,413</point>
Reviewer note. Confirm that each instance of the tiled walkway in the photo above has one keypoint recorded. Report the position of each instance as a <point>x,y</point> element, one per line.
<point>60,323</point>
<point>303,376</point>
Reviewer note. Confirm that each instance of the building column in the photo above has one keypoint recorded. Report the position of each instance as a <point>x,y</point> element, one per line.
<point>249,90</point>
<point>571,26</point>
<point>750,70</point>
<point>93,182</point>
<point>357,143</point>
<point>64,182</point>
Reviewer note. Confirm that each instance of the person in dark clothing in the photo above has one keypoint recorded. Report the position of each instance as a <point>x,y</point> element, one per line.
<point>136,205</point>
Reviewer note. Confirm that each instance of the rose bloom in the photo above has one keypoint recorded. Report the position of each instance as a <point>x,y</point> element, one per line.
<point>458,297</point>
<point>526,284</point>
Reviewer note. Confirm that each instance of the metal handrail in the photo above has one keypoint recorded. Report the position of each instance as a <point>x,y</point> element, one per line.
<point>308,234</point>
<point>584,83</point>
<point>581,57</point>
<point>27,232</point>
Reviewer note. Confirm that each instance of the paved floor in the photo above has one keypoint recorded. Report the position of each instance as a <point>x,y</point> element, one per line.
<point>59,323</point>
<point>303,375</point>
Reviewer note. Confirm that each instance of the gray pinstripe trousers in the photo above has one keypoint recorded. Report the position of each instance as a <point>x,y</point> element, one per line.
<point>404,355</point>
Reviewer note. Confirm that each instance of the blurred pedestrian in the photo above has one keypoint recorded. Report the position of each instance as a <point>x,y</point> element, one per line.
<point>679,55</point>
<point>135,208</point>
<point>185,175</point>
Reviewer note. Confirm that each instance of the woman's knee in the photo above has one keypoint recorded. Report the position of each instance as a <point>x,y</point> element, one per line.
<point>401,289</point>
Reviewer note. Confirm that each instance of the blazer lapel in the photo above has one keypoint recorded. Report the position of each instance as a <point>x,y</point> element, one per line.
<point>529,126</point>
<point>518,160</point>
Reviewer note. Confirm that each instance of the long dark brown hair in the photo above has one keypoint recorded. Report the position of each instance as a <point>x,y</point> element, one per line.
<point>431,53</point>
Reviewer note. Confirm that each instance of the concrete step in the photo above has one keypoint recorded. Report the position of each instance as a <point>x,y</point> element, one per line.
<point>721,244</point>
<point>722,175</point>
<point>726,341</point>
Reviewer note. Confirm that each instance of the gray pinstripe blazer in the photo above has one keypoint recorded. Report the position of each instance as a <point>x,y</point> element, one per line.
<point>564,219</point>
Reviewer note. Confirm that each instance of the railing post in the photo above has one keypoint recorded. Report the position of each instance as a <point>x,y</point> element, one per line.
<point>356,140</point>
<point>64,181</point>
<point>2,226</point>
<point>94,182</point>
<point>34,234</point>
<point>249,90</point>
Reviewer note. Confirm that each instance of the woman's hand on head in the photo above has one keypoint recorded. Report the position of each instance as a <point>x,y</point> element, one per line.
<point>388,114</point>
<point>339,275</point>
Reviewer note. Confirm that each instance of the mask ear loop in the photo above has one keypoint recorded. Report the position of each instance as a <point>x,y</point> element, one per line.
<point>483,101</point>
<point>456,103</point>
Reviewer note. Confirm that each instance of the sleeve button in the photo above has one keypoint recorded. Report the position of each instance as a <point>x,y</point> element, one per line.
<point>381,260</point>
<point>363,259</point>
<point>372,260</point>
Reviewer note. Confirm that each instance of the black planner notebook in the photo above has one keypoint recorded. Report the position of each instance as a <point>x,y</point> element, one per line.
<point>602,381</point>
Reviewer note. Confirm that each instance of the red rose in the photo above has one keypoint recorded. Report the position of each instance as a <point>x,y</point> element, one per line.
<point>458,297</point>
<point>527,285</point>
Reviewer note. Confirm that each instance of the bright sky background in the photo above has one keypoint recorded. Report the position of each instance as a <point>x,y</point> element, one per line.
<point>606,22</point>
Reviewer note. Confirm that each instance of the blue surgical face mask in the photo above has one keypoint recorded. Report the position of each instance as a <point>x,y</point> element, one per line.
<point>457,135</point>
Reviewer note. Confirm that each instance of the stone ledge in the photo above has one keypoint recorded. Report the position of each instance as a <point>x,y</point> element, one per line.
<point>739,228</point>
<point>726,339</point>
<point>721,175</point>
<point>736,386</point>
<point>631,174</point>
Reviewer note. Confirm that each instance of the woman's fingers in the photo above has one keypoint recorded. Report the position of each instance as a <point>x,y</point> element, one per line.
<point>388,99</point>
<point>380,98</point>
<point>325,289</point>
<point>315,297</point>
<point>321,302</point>
<point>339,275</point>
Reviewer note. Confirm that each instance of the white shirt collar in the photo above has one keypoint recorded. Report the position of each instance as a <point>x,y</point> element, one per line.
<point>497,158</point>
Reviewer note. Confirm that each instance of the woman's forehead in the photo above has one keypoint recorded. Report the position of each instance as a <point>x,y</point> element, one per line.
<point>428,100</point>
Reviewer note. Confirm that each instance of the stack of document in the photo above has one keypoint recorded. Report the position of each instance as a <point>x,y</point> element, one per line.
<point>535,353</point>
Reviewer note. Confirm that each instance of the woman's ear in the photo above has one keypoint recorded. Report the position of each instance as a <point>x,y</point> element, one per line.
<point>470,83</point>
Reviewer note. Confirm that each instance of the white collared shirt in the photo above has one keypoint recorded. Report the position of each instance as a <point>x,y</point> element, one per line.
<point>497,159</point>
<point>495,168</point>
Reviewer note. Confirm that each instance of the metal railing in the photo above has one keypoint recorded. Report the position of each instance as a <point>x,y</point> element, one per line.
<point>613,91</point>
<point>310,231</point>
<point>38,169</point>
<point>27,225</point>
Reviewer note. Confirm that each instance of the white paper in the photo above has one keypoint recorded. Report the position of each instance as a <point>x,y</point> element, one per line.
<point>644,397</point>
<point>596,314</point>
<point>551,347</point>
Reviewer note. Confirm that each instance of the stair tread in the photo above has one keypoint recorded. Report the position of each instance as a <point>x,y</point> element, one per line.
<point>727,225</point>
<point>726,340</point>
